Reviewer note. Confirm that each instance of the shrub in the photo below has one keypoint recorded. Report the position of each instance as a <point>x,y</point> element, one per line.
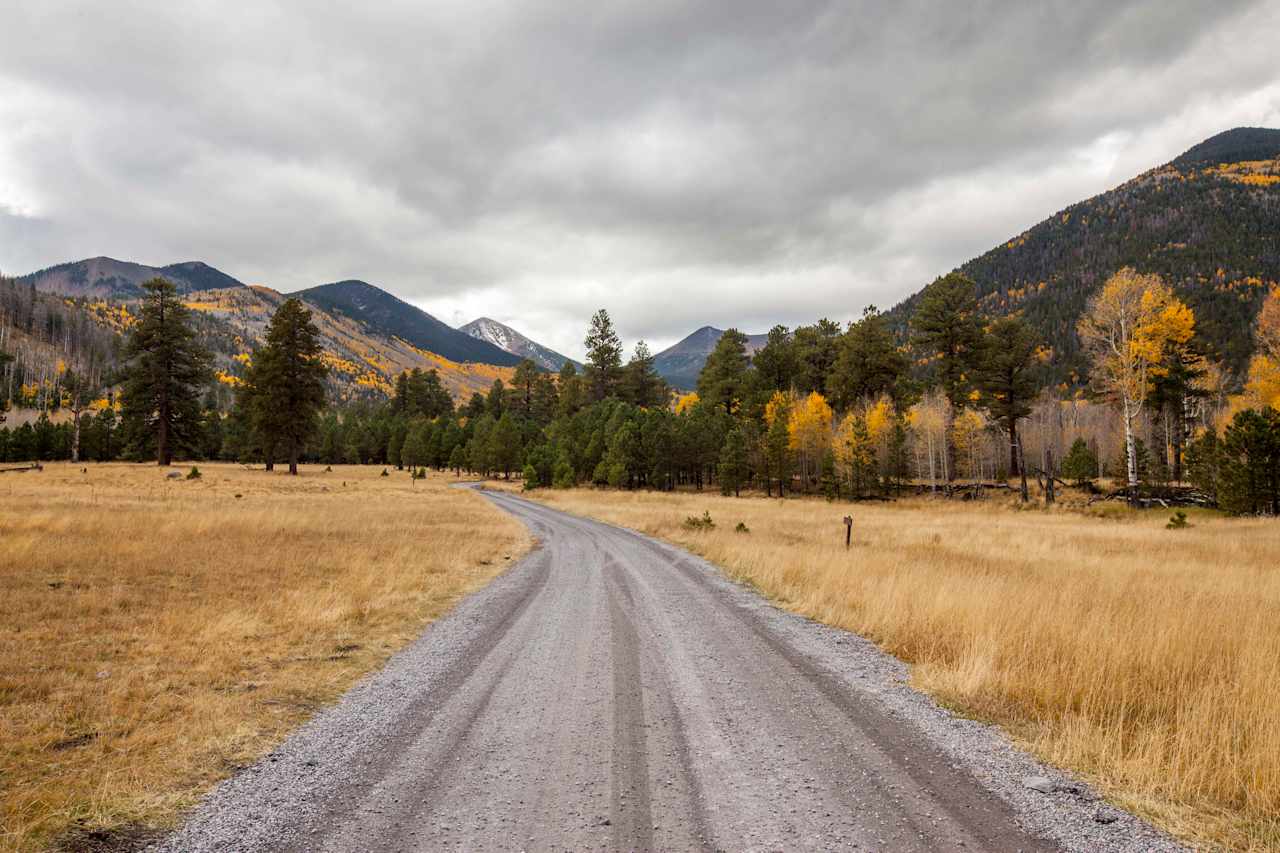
<point>563,478</point>
<point>194,473</point>
<point>742,528</point>
<point>1081,465</point>
<point>1177,521</point>
<point>695,523</point>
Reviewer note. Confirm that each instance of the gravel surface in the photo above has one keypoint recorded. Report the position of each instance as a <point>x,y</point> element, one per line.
<point>614,692</point>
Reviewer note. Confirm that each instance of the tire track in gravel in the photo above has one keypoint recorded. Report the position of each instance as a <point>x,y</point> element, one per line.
<point>612,692</point>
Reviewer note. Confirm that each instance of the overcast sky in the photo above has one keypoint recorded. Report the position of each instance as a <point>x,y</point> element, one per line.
<point>680,163</point>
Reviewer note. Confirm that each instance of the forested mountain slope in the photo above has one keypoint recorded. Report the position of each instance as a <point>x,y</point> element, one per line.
<point>44,334</point>
<point>386,315</point>
<point>1208,222</point>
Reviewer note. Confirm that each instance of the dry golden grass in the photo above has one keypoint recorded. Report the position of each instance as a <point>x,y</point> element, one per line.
<point>1146,659</point>
<point>156,634</point>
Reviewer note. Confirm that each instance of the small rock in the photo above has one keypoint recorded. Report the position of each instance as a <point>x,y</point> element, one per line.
<point>1038,783</point>
<point>173,475</point>
<point>1105,816</point>
<point>103,673</point>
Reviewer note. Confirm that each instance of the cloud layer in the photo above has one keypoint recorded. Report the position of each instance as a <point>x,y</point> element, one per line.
<point>733,163</point>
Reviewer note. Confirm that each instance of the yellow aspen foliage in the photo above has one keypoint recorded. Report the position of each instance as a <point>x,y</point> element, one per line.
<point>1268,334</point>
<point>685,402</point>
<point>966,431</point>
<point>1166,322</point>
<point>779,402</point>
<point>809,427</point>
<point>853,445</point>
<point>880,419</point>
<point>1263,387</point>
<point>809,433</point>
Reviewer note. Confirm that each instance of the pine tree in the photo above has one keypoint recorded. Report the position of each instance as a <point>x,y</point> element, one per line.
<point>945,329</point>
<point>287,377</point>
<point>523,385</point>
<point>166,368</point>
<point>604,357</point>
<point>1080,464</point>
<point>495,404</point>
<point>722,382</point>
<point>868,362</point>
<point>1008,378</point>
<point>777,443</point>
<point>1250,474</point>
<point>640,383</point>
<point>735,465</point>
<point>816,349</point>
<point>77,389</point>
<point>775,363</point>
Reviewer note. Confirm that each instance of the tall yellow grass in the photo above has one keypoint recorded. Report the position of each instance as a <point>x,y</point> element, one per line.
<point>1146,659</point>
<point>157,634</point>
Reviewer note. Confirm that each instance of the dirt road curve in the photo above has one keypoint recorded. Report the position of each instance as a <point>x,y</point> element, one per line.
<point>611,692</point>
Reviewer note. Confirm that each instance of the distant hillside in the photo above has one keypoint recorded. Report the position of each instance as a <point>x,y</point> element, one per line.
<point>681,363</point>
<point>1208,222</point>
<point>74,315</point>
<point>509,340</point>
<point>108,278</point>
<point>384,314</point>
<point>361,362</point>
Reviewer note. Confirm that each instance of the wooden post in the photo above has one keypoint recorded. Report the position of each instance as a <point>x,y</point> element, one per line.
<point>1022,470</point>
<point>848,531</point>
<point>1049,495</point>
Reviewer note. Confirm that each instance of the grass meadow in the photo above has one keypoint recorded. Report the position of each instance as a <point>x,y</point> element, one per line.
<point>1145,659</point>
<point>157,634</point>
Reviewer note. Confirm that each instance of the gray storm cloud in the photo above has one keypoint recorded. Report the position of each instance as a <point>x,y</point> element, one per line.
<point>732,163</point>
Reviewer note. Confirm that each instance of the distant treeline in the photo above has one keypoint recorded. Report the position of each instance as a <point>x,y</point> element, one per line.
<point>849,413</point>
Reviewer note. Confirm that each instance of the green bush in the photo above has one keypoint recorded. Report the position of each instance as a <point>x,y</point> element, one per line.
<point>695,523</point>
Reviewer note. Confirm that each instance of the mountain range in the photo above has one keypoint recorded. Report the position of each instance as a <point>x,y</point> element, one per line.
<point>509,340</point>
<point>1208,222</point>
<point>369,335</point>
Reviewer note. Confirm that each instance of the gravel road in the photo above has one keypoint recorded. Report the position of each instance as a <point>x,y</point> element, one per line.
<point>613,692</point>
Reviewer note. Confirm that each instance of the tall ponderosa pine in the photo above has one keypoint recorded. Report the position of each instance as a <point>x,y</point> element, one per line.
<point>816,349</point>
<point>604,357</point>
<point>1009,378</point>
<point>735,463</point>
<point>640,384</point>
<point>287,378</point>
<point>945,329</point>
<point>723,378</point>
<point>165,371</point>
<point>868,362</point>
<point>775,363</point>
<point>524,382</point>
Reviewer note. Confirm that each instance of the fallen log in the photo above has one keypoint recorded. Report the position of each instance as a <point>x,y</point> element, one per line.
<point>34,466</point>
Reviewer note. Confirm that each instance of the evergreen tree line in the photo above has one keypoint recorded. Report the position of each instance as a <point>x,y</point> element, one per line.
<point>849,413</point>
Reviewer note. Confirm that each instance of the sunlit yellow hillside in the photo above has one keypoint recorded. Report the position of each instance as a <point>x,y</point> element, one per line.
<point>357,360</point>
